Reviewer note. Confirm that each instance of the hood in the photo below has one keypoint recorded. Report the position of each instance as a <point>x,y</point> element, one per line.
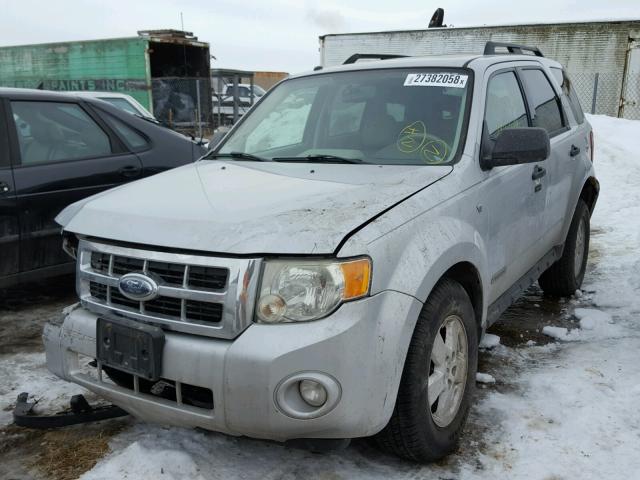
<point>248,207</point>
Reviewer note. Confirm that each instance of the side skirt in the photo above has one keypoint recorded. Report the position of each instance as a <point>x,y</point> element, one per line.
<point>507,299</point>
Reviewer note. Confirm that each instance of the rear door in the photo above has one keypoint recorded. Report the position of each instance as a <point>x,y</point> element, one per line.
<point>9,231</point>
<point>62,154</point>
<point>573,155</point>
<point>566,147</point>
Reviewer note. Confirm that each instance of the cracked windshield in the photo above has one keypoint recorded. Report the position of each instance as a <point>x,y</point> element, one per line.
<point>400,116</point>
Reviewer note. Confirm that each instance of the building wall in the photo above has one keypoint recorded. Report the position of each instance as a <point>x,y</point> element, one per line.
<point>101,65</point>
<point>268,79</point>
<point>584,48</point>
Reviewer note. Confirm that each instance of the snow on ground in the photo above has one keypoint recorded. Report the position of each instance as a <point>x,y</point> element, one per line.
<point>565,410</point>
<point>27,372</point>
<point>572,414</point>
<point>576,415</point>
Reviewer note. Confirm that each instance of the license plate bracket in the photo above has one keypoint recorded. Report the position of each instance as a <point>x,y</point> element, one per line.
<point>132,347</point>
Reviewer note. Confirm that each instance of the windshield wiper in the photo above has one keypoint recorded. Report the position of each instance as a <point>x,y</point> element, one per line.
<point>320,159</point>
<point>238,155</point>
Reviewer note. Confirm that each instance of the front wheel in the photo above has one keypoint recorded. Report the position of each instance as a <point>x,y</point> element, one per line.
<point>565,276</point>
<point>438,378</point>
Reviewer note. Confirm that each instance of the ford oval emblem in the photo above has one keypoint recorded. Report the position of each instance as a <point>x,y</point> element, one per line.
<point>137,286</point>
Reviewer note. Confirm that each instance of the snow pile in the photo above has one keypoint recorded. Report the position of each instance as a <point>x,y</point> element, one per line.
<point>594,324</point>
<point>162,460</point>
<point>485,378</point>
<point>592,319</point>
<point>559,333</point>
<point>489,341</point>
<point>615,234</point>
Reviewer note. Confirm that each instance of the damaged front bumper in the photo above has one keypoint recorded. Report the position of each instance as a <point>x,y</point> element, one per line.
<point>357,353</point>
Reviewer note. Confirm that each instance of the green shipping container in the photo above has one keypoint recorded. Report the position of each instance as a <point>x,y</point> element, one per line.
<point>125,65</point>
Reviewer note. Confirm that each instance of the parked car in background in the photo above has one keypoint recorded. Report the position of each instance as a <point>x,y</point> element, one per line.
<point>120,100</point>
<point>223,101</point>
<point>244,94</point>
<point>56,149</point>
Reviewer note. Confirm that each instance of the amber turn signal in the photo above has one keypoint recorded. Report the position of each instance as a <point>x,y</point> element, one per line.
<point>357,278</point>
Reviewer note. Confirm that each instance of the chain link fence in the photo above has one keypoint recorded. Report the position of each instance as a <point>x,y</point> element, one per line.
<point>601,93</point>
<point>184,104</point>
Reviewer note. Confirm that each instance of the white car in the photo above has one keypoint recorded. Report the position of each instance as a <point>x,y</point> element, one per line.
<point>120,100</point>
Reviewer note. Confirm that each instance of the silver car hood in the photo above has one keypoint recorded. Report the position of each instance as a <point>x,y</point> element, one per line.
<point>248,207</point>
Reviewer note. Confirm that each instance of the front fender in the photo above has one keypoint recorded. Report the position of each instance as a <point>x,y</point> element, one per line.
<point>412,258</point>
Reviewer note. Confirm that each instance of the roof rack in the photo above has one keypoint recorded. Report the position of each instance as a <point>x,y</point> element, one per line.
<point>375,56</point>
<point>490,48</point>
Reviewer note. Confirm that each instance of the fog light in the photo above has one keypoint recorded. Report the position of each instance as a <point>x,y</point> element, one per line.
<point>313,393</point>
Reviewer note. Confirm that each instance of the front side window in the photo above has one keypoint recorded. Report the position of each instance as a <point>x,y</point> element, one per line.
<point>505,107</point>
<point>390,116</point>
<point>57,132</point>
<point>543,100</point>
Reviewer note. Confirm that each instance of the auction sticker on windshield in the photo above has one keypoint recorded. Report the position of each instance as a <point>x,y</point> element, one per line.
<point>450,79</point>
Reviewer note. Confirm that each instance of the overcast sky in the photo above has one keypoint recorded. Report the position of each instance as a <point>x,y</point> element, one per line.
<point>275,34</point>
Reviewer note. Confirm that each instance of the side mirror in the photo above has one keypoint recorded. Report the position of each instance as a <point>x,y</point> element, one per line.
<point>514,146</point>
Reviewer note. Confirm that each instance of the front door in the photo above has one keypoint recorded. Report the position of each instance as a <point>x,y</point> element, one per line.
<point>9,231</point>
<point>64,155</point>
<point>515,194</point>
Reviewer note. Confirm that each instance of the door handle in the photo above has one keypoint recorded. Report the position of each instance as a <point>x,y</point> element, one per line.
<point>574,151</point>
<point>4,187</point>
<point>538,172</point>
<point>129,171</point>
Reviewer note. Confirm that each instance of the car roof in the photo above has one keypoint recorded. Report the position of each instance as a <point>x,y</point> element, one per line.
<point>33,94</point>
<point>29,93</point>
<point>94,94</point>
<point>474,61</point>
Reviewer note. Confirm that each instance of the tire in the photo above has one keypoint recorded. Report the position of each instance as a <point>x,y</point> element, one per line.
<point>421,429</point>
<point>565,276</point>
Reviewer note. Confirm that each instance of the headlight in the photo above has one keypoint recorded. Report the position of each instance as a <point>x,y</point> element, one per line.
<point>301,290</point>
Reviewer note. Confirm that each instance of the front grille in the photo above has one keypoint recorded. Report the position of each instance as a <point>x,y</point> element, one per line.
<point>196,294</point>
<point>209,278</point>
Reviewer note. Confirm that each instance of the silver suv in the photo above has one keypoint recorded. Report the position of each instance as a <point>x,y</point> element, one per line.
<point>328,270</point>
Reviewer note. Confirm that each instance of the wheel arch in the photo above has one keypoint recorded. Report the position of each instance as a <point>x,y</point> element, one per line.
<point>589,193</point>
<point>467,275</point>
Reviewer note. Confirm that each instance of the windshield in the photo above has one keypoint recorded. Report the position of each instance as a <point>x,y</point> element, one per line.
<point>395,116</point>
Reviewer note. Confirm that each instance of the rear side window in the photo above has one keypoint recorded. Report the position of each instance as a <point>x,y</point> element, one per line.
<point>505,106</point>
<point>545,105</point>
<point>57,132</point>
<point>134,140</point>
<point>122,104</point>
<point>570,92</point>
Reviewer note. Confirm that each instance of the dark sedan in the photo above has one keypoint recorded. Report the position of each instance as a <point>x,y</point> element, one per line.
<point>56,149</point>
